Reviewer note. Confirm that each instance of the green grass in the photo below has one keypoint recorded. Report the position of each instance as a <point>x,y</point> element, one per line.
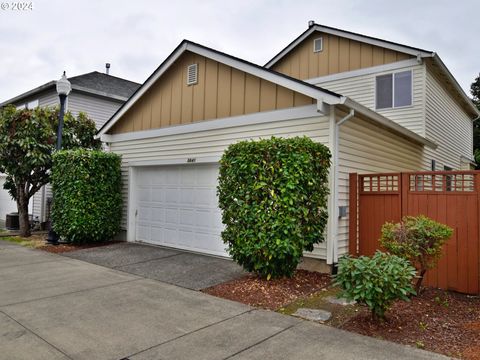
<point>19,240</point>
<point>318,300</point>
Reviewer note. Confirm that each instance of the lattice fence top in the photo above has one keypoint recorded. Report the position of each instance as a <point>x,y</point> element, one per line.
<point>379,183</point>
<point>432,182</point>
<point>442,182</point>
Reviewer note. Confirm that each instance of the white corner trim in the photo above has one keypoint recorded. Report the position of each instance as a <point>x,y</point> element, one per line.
<point>348,35</point>
<point>176,161</point>
<point>131,206</point>
<point>300,112</point>
<point>365,71</point>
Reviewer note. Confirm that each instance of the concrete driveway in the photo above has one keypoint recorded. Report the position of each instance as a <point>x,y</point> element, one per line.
<point>192,271</point>
<point>53,307</point>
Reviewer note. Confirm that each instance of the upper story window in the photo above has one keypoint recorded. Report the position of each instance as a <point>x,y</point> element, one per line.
<point>30,105</point>
<point>393,90</point>
<point>318,44</point>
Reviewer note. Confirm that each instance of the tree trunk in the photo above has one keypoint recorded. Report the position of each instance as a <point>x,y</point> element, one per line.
<point>418,285</point>
<point>22,206</point>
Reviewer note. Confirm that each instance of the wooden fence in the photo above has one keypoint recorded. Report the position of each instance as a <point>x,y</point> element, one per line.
<point>450,197</point>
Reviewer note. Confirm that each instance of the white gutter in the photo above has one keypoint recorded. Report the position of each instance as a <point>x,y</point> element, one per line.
<point>332,250</point>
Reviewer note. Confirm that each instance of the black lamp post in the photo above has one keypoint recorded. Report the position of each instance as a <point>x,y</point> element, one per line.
<point>63,89</point>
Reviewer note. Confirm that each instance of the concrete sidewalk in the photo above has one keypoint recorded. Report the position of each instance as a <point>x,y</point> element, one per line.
<point>52,307</point>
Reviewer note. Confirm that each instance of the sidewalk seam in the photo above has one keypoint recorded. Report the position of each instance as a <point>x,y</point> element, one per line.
<point>68,293</point>
<point>35,334</point>
<point>260,342</point>
<point>191,332</point>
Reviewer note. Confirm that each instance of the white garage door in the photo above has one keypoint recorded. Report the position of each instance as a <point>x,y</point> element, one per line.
<point>7,205</point>
<point>177,207</point>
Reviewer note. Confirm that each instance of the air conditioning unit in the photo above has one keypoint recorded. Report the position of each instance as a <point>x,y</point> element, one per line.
<point>12,221</point>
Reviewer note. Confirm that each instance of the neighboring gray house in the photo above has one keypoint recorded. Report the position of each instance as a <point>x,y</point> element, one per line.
<point>95,93</point>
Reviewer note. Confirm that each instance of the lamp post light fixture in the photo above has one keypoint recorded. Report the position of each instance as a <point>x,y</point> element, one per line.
<point>63,89</point>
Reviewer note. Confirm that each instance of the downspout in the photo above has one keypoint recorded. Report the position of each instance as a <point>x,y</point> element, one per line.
<point>333,229</point>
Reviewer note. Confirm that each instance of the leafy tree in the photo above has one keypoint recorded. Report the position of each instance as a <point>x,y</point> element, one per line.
<point>475,91</point>
<point>419,240</point>
<point>27,141</point>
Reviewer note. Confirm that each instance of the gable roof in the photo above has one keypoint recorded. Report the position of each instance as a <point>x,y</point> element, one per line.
<point>316,92</point>
<point>288,82</point>
<point>418,52</point>
<point>95,83</point>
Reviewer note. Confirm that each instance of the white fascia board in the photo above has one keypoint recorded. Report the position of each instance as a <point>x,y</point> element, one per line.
<point>382,120</point>
<point>143,89</point>
<point>375,42</point>
<point>455,83</point>
<point>365,71</point>
<point>348,35</point>
<point>294,85</point>
<point>266,75</point>
<point>98,93</point>
<point>300,112</point>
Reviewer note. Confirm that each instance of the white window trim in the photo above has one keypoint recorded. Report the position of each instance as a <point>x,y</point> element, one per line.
<point>393,107</point>
<point>321,47</point>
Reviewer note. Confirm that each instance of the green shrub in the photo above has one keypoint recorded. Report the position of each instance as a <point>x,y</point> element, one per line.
<point>375,281</point>
<point>87,195</point>
<point>418,239</point>
<point>273,196</point>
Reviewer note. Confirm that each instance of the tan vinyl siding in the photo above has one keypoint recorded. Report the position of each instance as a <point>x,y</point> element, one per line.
<point>362,89</point>
<point>447,124</point>
<point>221,92</point>
<point>338,55</point>
<point>212,143</point>
<point>367,148</point>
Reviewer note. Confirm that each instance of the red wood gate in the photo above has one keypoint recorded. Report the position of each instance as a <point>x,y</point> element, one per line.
<point>450,197</point>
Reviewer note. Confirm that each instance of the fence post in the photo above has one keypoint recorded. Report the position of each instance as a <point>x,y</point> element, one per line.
<point>403,186</point>
<point>353,216</point>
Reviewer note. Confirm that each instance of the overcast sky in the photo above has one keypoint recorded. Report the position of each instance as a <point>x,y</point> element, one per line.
<point>135,36</point>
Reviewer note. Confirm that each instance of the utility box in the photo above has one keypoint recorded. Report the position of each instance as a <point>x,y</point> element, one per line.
<point>12,221</point>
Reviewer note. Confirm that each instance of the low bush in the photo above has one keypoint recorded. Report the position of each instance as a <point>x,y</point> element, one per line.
<point>273,196</point>
<point>87,195</point>
<point>375,281</point>
<point>419,240</point>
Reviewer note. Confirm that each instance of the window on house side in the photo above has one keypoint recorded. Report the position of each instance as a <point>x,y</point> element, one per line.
<point>384,94</point>
<point>32,104</point>
<point>394,90</point>
<point>318,44</point>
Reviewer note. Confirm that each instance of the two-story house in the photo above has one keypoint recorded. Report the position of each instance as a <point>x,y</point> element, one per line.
<point>97,94</point>
<point>379,106</point>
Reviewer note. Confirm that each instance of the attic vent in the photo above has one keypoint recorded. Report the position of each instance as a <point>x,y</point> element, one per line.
<point>192,74</point>
<point>318,44</point>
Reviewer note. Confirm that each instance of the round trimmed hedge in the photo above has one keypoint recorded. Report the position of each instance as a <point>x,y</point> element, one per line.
<point>273,195</point>
<point>87,187</point>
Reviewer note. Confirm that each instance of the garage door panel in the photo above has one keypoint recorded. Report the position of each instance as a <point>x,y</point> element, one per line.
<point>187,217</point>
<point>183,207</point>
<point>144,194</point>
<point>144,213</point>
<point>171,216</point>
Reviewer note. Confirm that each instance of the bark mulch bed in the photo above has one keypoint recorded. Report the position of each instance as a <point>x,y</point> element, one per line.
<point>436,320</point>
<point>439,321</point>
<point>272,294</point>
